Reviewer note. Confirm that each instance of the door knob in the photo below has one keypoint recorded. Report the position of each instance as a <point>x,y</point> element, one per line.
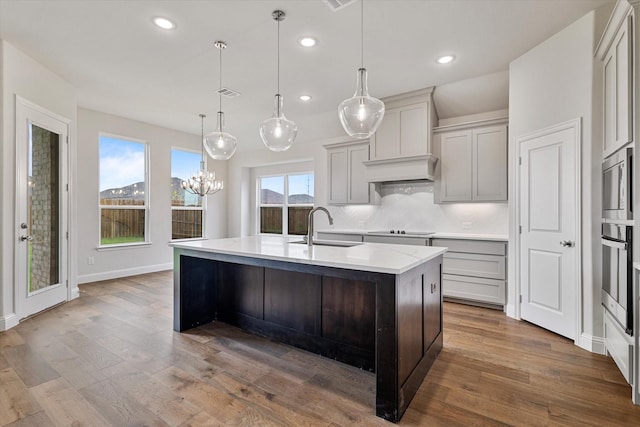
<point>27,238</point>
<point>566,243</point>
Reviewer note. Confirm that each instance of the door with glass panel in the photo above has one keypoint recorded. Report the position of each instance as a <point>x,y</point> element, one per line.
<point>41,209</point>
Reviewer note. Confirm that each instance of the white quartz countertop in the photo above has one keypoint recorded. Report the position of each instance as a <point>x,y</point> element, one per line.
<point>436,235</point>
<point>374,257</point>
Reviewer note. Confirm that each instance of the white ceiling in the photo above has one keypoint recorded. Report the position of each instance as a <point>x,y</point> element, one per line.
<point>122,64</point>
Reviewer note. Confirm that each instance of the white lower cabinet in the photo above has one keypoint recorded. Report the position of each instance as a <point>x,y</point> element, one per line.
<point>619,346</point>
<point>398,240</point>
<point>473,288</point>
<point>474,270</point>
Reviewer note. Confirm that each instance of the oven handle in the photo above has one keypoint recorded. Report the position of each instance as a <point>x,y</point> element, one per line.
<point>615,244</point>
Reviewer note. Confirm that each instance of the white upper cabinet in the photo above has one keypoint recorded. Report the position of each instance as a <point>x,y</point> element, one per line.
<point>347,183</point>
<point>456,149</point>
<point>405,130</point>
<point>489,163</point>
<point>615,52</point>
<point>472,165</point>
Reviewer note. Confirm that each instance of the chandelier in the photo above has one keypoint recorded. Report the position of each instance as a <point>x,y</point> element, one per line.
<point>203,182</point>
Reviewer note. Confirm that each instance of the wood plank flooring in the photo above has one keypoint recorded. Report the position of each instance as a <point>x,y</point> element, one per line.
<point>111,358</point>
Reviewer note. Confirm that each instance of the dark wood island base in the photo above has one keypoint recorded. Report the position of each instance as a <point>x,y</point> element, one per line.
<point>385,323</point>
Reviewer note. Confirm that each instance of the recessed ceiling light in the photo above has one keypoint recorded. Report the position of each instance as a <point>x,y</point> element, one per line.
<point>164,23</point>
<point>305,98</point>
<point>307,41</point>
<point>445,59</point>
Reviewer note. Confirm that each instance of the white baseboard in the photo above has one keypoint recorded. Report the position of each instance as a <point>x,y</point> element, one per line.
<point>591,343</point>
<point>8,321</point>
<point>75,293</point>
<point>116,274</point>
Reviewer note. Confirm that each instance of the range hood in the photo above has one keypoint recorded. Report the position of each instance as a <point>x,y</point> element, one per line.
<point>401,168</point>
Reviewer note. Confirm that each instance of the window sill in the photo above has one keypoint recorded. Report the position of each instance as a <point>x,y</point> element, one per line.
<point>192,239</point>
<point>122,246</point>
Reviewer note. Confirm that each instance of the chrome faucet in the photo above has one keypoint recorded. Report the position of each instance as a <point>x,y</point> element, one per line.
<point>310,228</point>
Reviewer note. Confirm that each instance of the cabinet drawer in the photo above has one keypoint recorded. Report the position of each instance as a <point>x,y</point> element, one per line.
<point>486,266</point>
<point>322,235</point>
<point>397,240</point>
<point>473,288</point>
<point>618,346</point>
<point>472,246</point>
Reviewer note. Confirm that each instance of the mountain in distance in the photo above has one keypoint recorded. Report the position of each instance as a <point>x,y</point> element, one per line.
<point>273,197</point>
<point>130,192</point>
<point>178,194</point>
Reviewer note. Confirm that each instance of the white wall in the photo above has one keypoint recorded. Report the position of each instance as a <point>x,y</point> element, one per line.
<point>23,76</point>
<point>125,261</point>
<point>550,84</point>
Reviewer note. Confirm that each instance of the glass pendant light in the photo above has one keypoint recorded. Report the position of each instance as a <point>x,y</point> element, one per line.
<point>278,132</point>
<point>361,114</point>
<point>202,182</point>
<point>219,144</point>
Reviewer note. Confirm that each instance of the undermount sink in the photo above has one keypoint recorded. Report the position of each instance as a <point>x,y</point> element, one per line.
<point>338,243</point>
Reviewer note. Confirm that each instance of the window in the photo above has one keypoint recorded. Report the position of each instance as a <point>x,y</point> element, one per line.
<point>285,215</point>
<point>187,210</point>
<point>123,191</point>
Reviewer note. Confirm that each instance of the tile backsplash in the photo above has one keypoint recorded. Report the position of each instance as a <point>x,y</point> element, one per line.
<point>409,206</point>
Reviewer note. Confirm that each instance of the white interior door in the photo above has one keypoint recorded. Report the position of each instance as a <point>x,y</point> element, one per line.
<point>41,209</point>
<point>549,219</point>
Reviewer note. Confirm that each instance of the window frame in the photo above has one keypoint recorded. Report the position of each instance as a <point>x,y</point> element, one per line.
<point>202,206</point>
<point>146,207</point>
<point>285,200</point>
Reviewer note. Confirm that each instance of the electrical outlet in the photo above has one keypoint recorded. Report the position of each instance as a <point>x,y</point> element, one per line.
<point>91,260</point>
<point>466,225</point>
<point>361,224</point>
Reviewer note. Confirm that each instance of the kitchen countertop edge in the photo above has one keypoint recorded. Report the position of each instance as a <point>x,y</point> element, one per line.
<point>372,257</point>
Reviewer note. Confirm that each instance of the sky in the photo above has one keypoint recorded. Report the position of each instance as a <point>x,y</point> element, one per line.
<point>298,184</point>
<point>121,162</point>
<point>184,164</point>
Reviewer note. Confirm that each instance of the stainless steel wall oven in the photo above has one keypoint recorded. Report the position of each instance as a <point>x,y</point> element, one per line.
<point>617,273</point>
<point>617,191</point>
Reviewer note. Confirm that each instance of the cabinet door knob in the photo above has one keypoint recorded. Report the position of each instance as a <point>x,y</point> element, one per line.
<point>566,243</point>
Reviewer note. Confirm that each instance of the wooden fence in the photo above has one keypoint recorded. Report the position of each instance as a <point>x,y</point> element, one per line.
<point>297,221</point>
<point>186,224</point>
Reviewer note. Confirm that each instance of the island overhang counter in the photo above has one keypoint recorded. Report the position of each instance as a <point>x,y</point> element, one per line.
<point>374,306</point>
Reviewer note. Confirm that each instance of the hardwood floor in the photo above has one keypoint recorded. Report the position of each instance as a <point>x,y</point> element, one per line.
<point>110,358</point>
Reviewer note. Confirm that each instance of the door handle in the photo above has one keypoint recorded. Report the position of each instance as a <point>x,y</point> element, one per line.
<point>27,238</point>
<point>566,243</point>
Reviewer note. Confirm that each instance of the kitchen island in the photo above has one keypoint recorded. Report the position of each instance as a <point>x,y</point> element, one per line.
<point>374,306</point>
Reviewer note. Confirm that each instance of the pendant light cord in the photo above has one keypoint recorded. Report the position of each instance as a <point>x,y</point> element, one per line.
<point>202,116</point>
<point>361,33</point>
<point>220,83</point>
<point>278,56</point>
